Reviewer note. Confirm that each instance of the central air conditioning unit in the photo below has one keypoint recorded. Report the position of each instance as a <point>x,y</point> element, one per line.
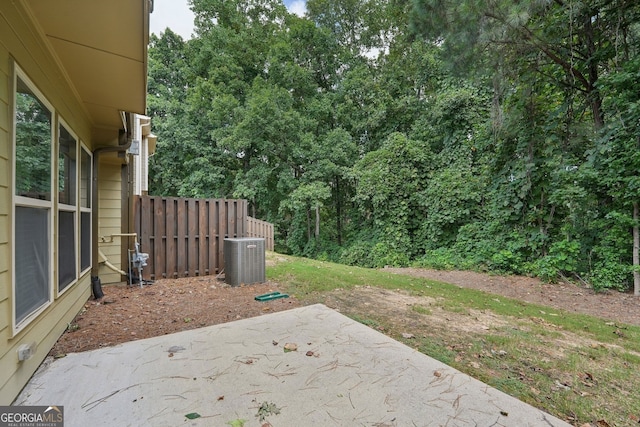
<point>244,261</point>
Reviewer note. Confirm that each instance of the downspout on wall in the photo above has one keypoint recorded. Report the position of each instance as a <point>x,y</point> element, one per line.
<point>96,287</point>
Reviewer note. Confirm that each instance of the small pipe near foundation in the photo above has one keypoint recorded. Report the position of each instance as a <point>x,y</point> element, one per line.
<point>107,263</point>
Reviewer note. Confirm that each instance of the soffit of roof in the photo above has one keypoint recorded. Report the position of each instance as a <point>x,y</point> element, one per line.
<point>102,46</point>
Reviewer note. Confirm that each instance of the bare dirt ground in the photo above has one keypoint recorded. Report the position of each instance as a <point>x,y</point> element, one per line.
<point>612,305</point>
<point>130,313</point>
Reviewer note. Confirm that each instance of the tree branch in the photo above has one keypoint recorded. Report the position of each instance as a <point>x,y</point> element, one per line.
<point>544,48</point>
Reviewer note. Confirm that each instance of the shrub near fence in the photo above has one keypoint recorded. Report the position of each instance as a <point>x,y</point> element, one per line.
<point>185,237</point>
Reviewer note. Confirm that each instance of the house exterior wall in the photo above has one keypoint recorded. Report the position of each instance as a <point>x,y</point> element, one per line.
<point>110,219</point>
<point>21,45</point>
<point>5,200</point>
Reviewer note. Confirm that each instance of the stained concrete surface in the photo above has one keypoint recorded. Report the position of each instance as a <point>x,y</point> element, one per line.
<point>343,373</point>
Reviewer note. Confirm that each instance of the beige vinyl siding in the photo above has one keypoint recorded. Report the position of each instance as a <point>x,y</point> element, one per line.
<point>44,331</point>
<point>110,195</point>
<point>5,205</point>
<point>20,41</point>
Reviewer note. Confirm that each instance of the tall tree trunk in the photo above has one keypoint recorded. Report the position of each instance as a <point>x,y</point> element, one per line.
<point>338,212</point>
<point>595,99</point>
<point>636,251</point>
<point>317,221</point>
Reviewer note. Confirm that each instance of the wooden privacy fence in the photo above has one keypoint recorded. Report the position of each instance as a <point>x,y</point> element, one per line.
<point>185,237</point>
<point>260,228</point>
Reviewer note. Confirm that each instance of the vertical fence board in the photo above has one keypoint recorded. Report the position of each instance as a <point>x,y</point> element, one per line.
<point>214,237</point>
<point>222,230</point>
<point>203,244</point>
<point>157,266</point>
<point>192,236</point>
<point>170,239</point>
<point>181,242</point>
<point>145,234</point>
<point>241,214</point>
<point>231,219</point>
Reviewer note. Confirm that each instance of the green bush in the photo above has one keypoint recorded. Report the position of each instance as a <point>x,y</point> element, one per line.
<point>383,255</point>
<point>373,255</point>
<point>506,261</point>
<point>358,253</point>
<point>562,259</point>
<point>439,259</point>
<point>610,275</point>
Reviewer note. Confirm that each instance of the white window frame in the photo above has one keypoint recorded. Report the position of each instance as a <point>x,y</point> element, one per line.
<point>67,208</point>
<point>31,202</point>
<point>53,206</point>
<point>85,209</point>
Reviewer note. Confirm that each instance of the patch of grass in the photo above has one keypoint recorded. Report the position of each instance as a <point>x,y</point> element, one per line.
<point>420,309</point>
<point>366,321</point>
<point>453,306</point>
<point>436,349</point>
<point>576,367</point>
<point>305,277</point>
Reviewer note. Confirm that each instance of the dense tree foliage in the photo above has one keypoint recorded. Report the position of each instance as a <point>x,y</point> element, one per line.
<point>470,133</point>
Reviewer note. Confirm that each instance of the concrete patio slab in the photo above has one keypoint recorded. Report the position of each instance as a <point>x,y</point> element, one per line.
<point>342,374</point>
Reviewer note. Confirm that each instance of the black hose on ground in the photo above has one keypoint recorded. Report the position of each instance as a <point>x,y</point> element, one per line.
<point>96,287</point>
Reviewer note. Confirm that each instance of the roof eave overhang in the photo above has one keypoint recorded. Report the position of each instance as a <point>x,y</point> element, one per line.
<point>102,50</point>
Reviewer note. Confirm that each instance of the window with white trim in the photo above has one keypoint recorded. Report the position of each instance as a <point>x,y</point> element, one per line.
<point>33,200</point>
<point>52,174</point>
<point>85,209</point>
<point>67,207</point>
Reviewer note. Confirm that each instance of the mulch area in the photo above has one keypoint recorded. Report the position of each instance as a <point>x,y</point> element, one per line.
<point>129,313</point>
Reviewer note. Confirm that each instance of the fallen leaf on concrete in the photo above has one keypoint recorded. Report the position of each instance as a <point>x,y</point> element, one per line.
<point>193,415</point>
<point>290,347</point>
<point>309,353</point>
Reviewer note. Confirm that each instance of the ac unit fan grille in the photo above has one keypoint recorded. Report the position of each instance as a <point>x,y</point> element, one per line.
<point>244,261</point>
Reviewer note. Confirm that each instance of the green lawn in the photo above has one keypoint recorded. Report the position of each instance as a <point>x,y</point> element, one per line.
<point>579,368</point>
